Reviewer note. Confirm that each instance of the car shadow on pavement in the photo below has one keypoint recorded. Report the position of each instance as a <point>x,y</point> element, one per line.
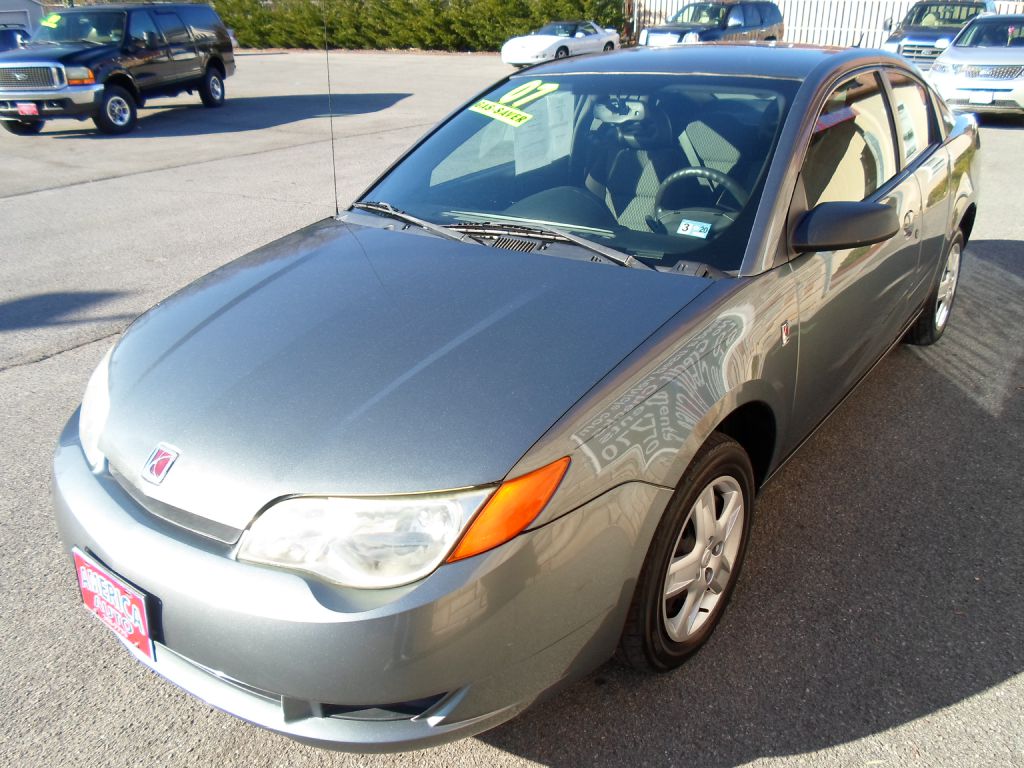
<point>49,309</point>
<point>883,581</point>
<point>185,116</point>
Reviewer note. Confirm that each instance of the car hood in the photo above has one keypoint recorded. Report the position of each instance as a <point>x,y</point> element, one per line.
<point>922,34</point>
<point>534,42</point>
<point>354,360</point>
<point>76,54</point>
<point>956,55</point>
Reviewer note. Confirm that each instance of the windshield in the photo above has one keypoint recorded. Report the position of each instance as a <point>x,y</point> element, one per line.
<point>663,167</point>
<point>945,15</point>
<point>101,27</point>
<point>702,14</point>
<point>558,29</point>
<point>993,33</point>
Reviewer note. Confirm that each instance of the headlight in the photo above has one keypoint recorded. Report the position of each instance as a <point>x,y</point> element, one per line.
<point>95,408</point>
<point>939,68</point>
<point>80,76</point>
<point>690,37</point>
<point>891,47</point>
<point>642,40</point>
<point>375,543</point>
<point>942,43</point>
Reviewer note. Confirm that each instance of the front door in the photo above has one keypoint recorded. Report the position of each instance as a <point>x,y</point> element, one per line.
<point>853,303</point>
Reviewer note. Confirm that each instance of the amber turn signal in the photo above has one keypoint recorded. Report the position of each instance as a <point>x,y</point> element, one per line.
<point>513,506</point>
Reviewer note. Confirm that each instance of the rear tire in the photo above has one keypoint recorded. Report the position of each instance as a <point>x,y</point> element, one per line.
<point>694,559</point>
<point>934,318</point>
<point>117,112</point>
<point>211,89</point>
<point>23,127</point>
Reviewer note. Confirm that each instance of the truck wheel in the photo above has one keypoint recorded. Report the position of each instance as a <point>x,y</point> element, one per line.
<point>23,127</point>
<point>211,89</point>
<point>117,112</point>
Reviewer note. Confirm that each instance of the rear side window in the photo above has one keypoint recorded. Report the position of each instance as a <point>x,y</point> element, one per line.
<point>771,13</point>
<point>913,115</point>
<point>203,21</point>
<point>753,14</point>
<point>735,17</point>
<point>173,27</point>
<point>852,151</point>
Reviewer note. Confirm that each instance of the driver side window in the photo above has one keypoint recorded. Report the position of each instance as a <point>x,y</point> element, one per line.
<point>852,151</point>
<point>142,30</point>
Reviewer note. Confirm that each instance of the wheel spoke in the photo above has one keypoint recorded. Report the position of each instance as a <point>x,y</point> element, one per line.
<point>731,515</point>
<point>682,572</point>
<point>704,516</point>
<point>681,625</point>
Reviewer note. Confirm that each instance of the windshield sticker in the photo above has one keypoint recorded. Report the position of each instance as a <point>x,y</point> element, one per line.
<point>693,229</point>
<point>508,115</point>
<point>523,94</point>
<point>51,21</point>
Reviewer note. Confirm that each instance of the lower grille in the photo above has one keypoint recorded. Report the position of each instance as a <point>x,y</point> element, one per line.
<point>28,77</point>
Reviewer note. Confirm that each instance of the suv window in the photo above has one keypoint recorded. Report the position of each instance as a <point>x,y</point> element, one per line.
<point>753,14</point>
<point>173,27</point>
<point>142,30</point>
<point>852,151</point>
<point>203,21</point>
<point>735,18</point>
<point>913,115</point>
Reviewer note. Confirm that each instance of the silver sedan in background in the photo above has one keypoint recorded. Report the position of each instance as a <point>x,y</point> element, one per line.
<point>386,481</point>
<point>983,69</point>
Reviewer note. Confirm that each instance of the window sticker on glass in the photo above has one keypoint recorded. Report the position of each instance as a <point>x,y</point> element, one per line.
<point>507,107</point>
<point>51,21</point>
<point>907,127</point>
<point>548,137</point>
<point>693,229</point>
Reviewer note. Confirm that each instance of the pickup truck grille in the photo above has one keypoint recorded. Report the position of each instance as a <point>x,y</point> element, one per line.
<point>1001,72</point>
<point>920,53</point>
<point>28,77</point>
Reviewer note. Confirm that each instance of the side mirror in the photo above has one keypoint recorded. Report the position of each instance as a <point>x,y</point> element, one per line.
<point>887,25</point>
<point>836,226</point>
<point>580,34</point>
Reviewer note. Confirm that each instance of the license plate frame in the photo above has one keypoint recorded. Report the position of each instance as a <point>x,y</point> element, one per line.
<point>119,606</point>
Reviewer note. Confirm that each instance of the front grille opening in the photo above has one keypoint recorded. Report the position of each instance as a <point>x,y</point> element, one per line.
<point>402,710</point>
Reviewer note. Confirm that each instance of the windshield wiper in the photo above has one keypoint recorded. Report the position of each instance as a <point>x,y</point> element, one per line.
<point>499,228</point>
<point>385,209</point>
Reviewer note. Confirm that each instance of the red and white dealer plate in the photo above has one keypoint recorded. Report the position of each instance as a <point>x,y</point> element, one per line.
<point>117,604</point>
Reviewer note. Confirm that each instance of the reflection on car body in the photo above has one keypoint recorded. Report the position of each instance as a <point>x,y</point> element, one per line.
<point>510,412</point>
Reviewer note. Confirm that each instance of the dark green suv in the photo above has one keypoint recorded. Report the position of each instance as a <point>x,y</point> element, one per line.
<point>104,61</point>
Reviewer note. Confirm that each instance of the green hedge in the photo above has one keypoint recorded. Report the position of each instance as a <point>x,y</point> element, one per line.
<point>446,25</point>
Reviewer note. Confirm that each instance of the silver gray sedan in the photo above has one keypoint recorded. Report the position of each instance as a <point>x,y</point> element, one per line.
<point>384,482</point>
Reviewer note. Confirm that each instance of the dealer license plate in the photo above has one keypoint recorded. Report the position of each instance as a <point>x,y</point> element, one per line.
<point>28,109</point>
<point>117,604</point>
<point>981,97</point>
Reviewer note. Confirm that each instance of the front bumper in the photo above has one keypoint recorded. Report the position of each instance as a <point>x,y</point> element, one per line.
<point>477,640</point>
<point>523,59</point>
<point>77,101</point>
<point>981,95</point>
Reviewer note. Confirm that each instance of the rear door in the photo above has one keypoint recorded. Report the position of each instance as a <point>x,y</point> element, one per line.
<point>180,46</point>
<point>853,303</point>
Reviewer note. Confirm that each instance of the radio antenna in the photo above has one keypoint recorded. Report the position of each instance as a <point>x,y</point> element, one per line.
<point>330,108</point>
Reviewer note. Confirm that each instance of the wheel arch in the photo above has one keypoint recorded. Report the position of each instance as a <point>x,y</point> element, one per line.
<point>753,426</point>
<point>126,81</point>
<point>215,63</point>
<point>966,221</point>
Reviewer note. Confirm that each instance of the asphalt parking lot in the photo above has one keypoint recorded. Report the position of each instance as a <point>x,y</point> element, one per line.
<point>880,616</point>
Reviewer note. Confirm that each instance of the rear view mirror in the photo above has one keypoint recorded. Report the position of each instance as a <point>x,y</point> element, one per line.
<point>835,226</point>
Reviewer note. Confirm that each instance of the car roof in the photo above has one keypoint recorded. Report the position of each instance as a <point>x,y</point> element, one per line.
<point>780,60</point>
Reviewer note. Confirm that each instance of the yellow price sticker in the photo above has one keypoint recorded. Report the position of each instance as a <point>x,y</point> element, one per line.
<point>502,112</point>
<point>51,21</point>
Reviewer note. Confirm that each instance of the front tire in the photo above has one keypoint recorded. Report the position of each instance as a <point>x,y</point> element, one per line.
<point>211,89</point>
<point>562,53</point>
<point>693,561</point>
<point>117,112</point>
<point>932,322</point>
<point>609,47</point>
<point>23,127</point>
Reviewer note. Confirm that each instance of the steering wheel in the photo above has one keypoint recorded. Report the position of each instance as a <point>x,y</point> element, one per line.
<point>715,177</point>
